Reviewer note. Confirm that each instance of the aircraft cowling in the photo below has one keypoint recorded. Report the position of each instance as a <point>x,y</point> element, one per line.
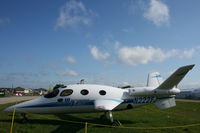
<point>152,92</point>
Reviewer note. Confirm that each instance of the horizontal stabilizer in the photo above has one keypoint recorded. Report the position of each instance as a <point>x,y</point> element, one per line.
<point>175,78</point>
<point>165,103</point>
<point>106,104</point>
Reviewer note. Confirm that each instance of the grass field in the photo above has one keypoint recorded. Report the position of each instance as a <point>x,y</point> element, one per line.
<point>147,116</point>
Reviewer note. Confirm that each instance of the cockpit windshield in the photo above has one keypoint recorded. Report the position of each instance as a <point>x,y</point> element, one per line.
<point>52,94</point>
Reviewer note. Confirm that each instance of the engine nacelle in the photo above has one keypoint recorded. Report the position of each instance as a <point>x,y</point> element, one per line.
<point>142,91</point>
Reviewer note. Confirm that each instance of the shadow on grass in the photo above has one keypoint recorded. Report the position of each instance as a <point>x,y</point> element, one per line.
<point>62,126</point>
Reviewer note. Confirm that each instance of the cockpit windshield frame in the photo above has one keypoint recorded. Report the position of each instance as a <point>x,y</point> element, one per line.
<point>52,94</point>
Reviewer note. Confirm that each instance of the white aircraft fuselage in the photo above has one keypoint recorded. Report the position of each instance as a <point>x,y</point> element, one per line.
<point>79,103</point>
<point>82,98</point>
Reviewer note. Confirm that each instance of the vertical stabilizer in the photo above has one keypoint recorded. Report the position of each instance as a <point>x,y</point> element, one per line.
<point>154,79</point>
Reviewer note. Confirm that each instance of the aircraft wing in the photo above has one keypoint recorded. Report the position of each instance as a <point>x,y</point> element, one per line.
<point>107,104</point>
<point>175,78</point>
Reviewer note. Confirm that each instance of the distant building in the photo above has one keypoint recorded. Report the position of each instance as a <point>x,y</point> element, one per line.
<point>19,90</point>
<point>27,91</point>
<point>2,93</point>
<point>40,91</point>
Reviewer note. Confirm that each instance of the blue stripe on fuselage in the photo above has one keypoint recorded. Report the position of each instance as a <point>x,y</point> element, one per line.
<point>140,100</point>
<point>62,104</point>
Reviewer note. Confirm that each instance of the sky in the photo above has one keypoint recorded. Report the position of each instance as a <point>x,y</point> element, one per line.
<point>115,42</point>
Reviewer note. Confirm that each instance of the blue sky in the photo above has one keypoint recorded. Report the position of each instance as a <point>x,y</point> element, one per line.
<point>113,42</point>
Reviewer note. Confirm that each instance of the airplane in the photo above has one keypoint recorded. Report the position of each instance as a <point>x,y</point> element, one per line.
<point>88,98</point>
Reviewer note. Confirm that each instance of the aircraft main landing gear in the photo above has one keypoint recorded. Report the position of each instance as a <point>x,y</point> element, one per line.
<point>114,122</point>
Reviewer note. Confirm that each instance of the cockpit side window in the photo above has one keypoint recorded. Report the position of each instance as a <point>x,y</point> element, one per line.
<point>52,94</point>
<point>66,92</point>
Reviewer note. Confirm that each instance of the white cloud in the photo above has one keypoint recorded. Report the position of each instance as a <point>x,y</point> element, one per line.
<point>187,53</point>
<point>189,85</point>
<point>136,55</point>
<point>98,55</point>
<point>70,59</point>
<point>158,13</point>
<point>4,21</point>
<point>74,13</point>
<point>142,55</point>
<point>68,73</point>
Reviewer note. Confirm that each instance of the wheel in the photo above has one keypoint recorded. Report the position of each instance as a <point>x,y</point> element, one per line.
<point>24,118</point>
<point>116,123</point>
<point>103,117</point>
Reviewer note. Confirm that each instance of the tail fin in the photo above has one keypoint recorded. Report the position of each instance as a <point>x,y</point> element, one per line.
<point>154,79</point>
<point>175,78</point>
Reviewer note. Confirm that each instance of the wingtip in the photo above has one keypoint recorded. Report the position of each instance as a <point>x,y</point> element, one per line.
<point>191,66</point>
<point>188,66</point>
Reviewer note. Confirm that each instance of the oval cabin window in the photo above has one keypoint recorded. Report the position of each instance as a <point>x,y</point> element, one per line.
<point>84,92</point>
<point>102,92</point>
<point>66,92</point>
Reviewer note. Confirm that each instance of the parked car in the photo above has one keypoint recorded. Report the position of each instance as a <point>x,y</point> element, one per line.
<point>19,94</point>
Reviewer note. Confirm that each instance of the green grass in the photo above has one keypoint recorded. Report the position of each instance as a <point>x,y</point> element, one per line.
<point>147,116</point>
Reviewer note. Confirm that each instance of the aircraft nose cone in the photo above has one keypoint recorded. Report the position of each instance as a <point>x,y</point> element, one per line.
<point>9,109</point>
<point>21,107</point>
<point>17,107</point>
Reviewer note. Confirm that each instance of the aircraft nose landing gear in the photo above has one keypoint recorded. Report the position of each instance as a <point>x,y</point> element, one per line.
<point>24,118</point>
<point>114,122</point>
